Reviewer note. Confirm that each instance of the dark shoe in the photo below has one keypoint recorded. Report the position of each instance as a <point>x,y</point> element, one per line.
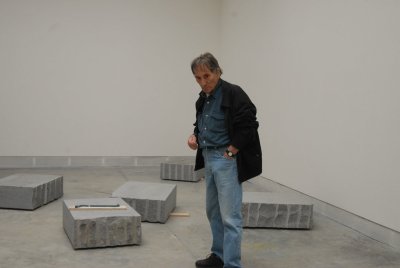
<point>212,261</point>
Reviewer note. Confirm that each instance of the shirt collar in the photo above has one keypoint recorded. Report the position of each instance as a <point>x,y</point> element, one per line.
<point>204,95</point>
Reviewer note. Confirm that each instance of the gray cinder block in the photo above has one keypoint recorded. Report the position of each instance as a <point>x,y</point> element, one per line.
<point>94,228</point>
<point>153,201</point>
<point>180,170</point>
<point>29,191</point>
<point>275,210</point>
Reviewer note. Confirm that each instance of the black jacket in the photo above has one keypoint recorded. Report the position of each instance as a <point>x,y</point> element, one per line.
<point>241,123</point>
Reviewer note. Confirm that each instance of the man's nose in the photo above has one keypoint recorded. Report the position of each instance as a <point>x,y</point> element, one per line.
<point>203,82</point>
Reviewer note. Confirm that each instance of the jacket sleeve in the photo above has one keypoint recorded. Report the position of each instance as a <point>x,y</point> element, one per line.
<point>244,120</point>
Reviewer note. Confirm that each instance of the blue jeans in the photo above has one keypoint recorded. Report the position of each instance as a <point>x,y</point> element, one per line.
<point>224,206</point>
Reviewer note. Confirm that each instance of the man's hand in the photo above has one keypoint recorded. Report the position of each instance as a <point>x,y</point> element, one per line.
<point>232,149</point>
<point>192,142</point>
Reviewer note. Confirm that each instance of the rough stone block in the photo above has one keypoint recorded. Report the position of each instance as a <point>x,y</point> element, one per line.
<point>180,170</point>
<point>94,228</point>
<point>275,210</point>
<point>29,191</point>
<point>153,201</point>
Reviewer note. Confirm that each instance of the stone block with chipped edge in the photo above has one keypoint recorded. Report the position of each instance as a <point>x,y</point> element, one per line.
<point>29,191</point>
<point>153,201</point>
<point>276,210</point>
<point>96,228</point>
<point>180,169</point>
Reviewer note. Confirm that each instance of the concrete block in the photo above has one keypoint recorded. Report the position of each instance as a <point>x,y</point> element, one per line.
<point>153,201</point>
<point>275,210</point>
<point>180,170</point>
<point>29,191</point>
<point>87,228</point>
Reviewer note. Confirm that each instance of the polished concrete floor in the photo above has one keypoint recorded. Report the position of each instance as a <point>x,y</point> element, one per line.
<point>36,239</point>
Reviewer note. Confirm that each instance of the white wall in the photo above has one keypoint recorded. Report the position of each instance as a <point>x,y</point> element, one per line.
<point>325,77</point>
<point>104,78</point>
<point>99,77</point>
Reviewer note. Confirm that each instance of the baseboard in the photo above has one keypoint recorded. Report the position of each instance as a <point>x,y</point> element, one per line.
<point>82,161</point>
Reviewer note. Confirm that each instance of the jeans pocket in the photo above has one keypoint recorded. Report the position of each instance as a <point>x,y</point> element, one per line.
<point>220,152</point>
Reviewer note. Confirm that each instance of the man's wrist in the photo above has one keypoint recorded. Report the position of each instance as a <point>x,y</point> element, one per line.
<point>229,153</point>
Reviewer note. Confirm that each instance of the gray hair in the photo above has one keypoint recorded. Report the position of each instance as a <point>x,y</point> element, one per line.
<point>207,60</point>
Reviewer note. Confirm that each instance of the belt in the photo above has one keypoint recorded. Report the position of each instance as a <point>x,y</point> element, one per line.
<point>215,147</point>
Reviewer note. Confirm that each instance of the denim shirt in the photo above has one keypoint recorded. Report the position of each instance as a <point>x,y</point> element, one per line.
<point>212,130</point>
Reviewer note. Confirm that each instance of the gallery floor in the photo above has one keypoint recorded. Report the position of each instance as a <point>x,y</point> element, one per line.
<point>36,239</point>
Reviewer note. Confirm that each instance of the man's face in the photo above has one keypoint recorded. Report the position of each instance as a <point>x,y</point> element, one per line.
<point>206,79</point>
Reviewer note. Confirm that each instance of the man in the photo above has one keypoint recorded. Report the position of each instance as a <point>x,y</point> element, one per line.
<point>228,146</point>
